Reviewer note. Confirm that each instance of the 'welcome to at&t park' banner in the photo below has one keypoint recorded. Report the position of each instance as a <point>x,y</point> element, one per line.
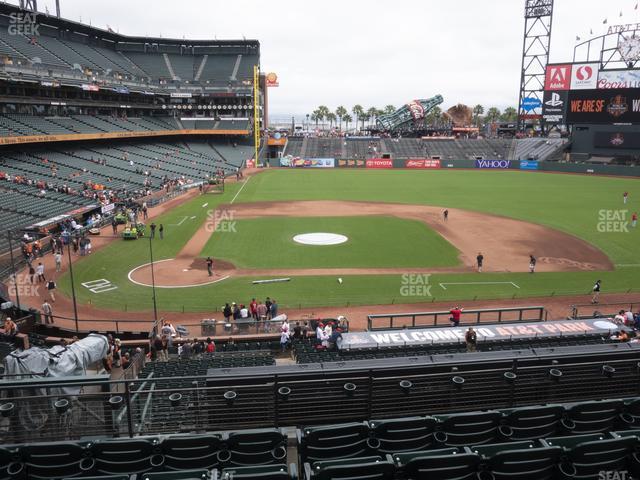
<point>493,163</point>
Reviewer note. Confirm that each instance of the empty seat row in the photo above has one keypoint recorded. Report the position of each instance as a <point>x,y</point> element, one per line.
<point>576,457</point>
<point>143,455</point>
<point>383,437</point>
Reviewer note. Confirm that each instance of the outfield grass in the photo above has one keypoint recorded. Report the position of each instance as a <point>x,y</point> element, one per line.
<point>571,203</point>
<point>374,241</point>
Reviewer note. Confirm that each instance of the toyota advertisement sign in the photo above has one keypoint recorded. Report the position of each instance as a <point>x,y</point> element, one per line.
<point>379,163</point>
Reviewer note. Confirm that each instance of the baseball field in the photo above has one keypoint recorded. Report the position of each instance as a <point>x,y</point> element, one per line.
<point>398,248</point>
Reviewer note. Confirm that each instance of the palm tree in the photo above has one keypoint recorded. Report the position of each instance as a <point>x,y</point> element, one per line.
<point>433,116</point>
<point>332,118</point>
<point>478,110</point>
<point>322,112</point>
<point>357,111</point>
<point>372,113</point>
<point>315,117</point>
<point>493,114</point>
<point>510,114</point>
<point>364,118</point>
<point>347,120</point>
<point>340,113</point>
<point>389,109</point>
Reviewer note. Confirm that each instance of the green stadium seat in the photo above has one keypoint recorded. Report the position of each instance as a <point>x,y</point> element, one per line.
<point>263,472</point>
<point>114,457</point>
<point>334,442</point>
<point>359,468</point>
<point>466,429</point>
<point>592,417</point>
<point>531,423</point>
<point>55,460</point>
<point>519,460</point>
<point>588,455</point>
<point>178,475</point>
<point>191,451</point>
<point>403,434</point>
<point>441,464</point>
<point>257,447</point>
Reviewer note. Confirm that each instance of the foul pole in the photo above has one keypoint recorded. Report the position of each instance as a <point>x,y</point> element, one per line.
<point>256,112</point>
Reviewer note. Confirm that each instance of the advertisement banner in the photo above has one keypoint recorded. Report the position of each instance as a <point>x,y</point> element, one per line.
<point>291,161</point>
<point>528,165</point>
<point>554,108</point>
<point>379,163</point>
<point>181,95</point>
<point>108,208</point>
<point>421,163</point>
<point>90,88</point>
<point>351,164</point>
<point>493,163</point>
<point>616,140</point>
<point>584,76</point>
<point>272,80</point>
<point>604,106</point>
<point>416,109</point>
<point>611,79</point>
<point>495,331</point>
<point>558,77</point>
<point>123,90</point>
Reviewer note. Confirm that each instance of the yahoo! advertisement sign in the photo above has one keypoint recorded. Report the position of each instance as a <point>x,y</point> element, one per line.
<point>493,163</point>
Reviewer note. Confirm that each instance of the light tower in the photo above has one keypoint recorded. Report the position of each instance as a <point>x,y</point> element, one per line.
<point>538,17</point>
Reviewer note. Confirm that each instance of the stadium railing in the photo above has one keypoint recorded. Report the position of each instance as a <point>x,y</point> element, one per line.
<point>602,309</point>
<point>294,395</point>
<point>432,319</point>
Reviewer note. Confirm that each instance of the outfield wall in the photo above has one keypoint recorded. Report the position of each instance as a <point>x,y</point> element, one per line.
<point>488,164</point>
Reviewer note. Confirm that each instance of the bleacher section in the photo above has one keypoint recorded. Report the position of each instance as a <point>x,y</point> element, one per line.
<point>119,166</point>
<point>445,149</point>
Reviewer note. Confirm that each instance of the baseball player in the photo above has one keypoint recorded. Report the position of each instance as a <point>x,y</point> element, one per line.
<point>480,261</point>
<point>532,264</point>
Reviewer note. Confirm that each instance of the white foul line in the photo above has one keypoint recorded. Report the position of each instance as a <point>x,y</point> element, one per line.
<point>477,283</point>
<point>238,192</point>
<point>178,224</point>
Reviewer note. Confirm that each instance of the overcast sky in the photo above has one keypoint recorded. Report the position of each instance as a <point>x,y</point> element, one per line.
<point>369,52</point>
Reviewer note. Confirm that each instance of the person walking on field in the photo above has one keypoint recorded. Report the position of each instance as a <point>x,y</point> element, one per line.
<point>47,312</point>
<point>153,229</point>
<point>210,266</point>
<point>532,264</point>
<point>625,197</point>
<point>634,219</point>
<point>480,261</point>
<point>445,215</point>
<point>51,288</point>
<point>161,231</point>
<point>58,257</point>
<point>40,272</point>
<point>596,292</point>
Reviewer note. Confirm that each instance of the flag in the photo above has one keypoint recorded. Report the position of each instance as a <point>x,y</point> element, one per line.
<point>620,13</point>
<point>591,32</point>
<point>636,7</point>
<point>577,38</point>
<point>605,22</point>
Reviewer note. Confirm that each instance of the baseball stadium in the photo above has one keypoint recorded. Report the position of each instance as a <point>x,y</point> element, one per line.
<point>191,289</point>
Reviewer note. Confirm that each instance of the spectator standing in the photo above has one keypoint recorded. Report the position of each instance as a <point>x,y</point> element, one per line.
<point>161,231</point>
<point>284,335</point>
<point>470,339</point>
<point>47,311</point>
<point>456,313</point>
<point>267,303</point>
<point>253,307</point>
<point>58,259</point>
<point>152,227</point>
<point>10,328</point>
<point>274,308</point>
<point>227,312</point>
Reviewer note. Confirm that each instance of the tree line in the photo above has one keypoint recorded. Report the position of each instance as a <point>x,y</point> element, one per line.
<point>358,115</point>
